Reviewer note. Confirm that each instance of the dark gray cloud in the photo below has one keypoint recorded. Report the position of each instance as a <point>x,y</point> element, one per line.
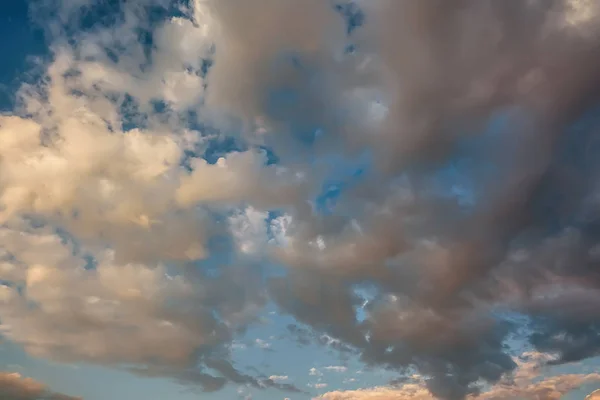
<point>444,271</point>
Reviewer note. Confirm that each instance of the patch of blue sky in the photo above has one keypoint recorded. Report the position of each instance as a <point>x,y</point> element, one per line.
<point>587,366</point>
<point>516,326</point>
<point>220,146</point>
<point>219,142</point>
<point>352,14</point>
<point>281,355</point>
<point>107,13</point>
<point>21,42</point>
<point>129,112</point>
<point>367,293</point>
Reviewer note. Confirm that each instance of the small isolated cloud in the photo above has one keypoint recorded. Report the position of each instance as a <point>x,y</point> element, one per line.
<point>278,378</point>
<point>595,395</point>
<point>244,393</point>
<point>314,372</point>
<point>317,385</point>
<point>336,368</point>
<point>237,346</point>
<point>263,344</point>
<point>13,386</point>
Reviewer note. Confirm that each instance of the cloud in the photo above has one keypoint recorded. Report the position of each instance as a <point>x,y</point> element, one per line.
<point>246,47</point>
<point>441,266</point>
<point>16,387</point>
<point>336,368</point>
<point>263,344</point>
<point>318,385</point>
<point>478,200</point>
<point>527,382</point>
<point>592,396</point>
<point>59,307</point>
<point>314,372</point>
<point>410,392</point>
<point>277,378</point>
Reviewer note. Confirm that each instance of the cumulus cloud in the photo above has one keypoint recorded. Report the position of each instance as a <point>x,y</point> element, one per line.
<point>13,386</point>
<point>106,201</point>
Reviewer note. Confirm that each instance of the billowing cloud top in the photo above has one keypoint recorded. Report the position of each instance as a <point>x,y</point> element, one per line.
<point>414,180</point>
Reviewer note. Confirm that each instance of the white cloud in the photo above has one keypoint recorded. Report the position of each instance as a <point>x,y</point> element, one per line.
<point>249,230</point>
<point>262,344</point>
<point>278,378</point>
<point>96,306</point>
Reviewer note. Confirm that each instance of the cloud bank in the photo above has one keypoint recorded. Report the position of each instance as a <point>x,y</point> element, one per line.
<point>15,387</point>
<point>420,174</point>
<point>525,383</point>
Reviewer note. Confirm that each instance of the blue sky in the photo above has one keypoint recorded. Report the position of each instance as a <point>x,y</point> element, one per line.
<point>279,200</point>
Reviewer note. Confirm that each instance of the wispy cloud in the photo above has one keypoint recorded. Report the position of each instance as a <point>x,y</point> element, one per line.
<point>279,378</point>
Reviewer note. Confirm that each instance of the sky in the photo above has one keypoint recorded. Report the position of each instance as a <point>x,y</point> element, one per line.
<point>299,199</point>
